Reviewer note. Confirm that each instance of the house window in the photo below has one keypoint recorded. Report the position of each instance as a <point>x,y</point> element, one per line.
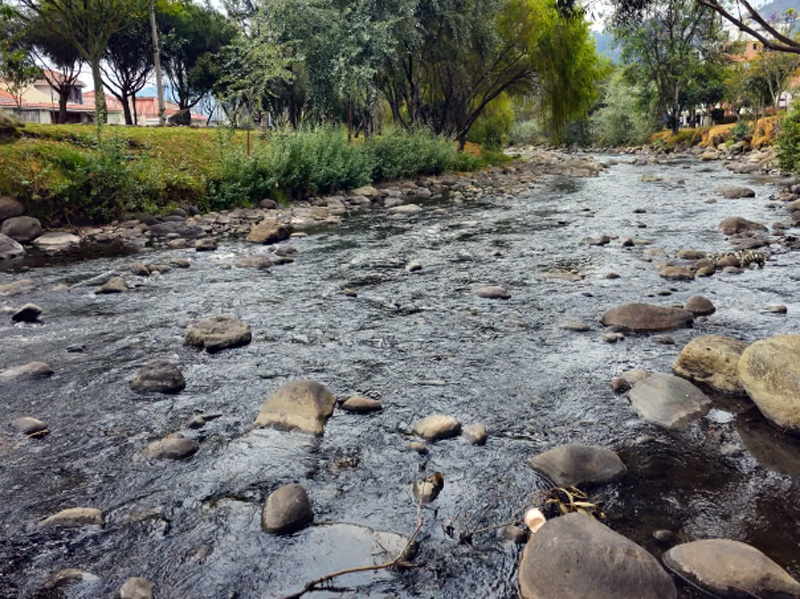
<point>755,46</point>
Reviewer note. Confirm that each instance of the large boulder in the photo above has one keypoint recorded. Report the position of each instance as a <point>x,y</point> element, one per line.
<point>268,231</point>
<point>731,570</point>
<point>9,248</point>
<point>712,360</point>
<point>57,242</point>
<point>570,465</point>
<point>218,333</point>
<point>22,228</point>
<point>668,400</point>
<point>576,557</point>
<point>736,225</point>
<point>159,376</point>
<point>770,373</point>
<point>287,509</point>
<point>9,208</point>
<point>298,405</point>
<point>646,318</point>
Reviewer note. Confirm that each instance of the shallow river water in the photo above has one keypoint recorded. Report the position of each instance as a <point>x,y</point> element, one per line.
<point>419,342</point>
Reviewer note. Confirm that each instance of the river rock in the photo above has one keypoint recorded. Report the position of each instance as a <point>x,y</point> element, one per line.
<point>9,208</point>
<point>28,426</point>
<point>769,370</point>
<point>139,269</point>
<point>436,427</point>
<point>735,192</point>
<point>22,228</point>
<point>493,292</point>
<point>136,588</point>
<point>677,273</point>
<point>27,313</point>
<point>690,255</point>
<point>576,557</point>
<point>712,360</point>
<point>76,516</point>
<point>173,447</point>
<point>217,333</point>
<point>731,570</point>
<point>257,262</point>
<point>699,305</point>
<point>287,509</point>
<point>56,242</point>
<point>26,371</point>
<point>113,285</point>
<point>646,318</point>
<point>268,231</point>
<point>571,465</point>
<point>668,400</point>
<point>177,229</point>
<point>475,434</point>
<point>406,209</point>
<point>159,376</point>
<point>776,309</point>
<point>207,244</point>
<point>628,379</point>
<point>736,225</point>
<point>361,405</point>
<point>298,405</point>
<point>367,191</point>
<point>575,326</point>
<point>9,248</point>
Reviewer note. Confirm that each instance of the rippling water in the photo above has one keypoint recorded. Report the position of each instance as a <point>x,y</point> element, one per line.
<point>419,342</point>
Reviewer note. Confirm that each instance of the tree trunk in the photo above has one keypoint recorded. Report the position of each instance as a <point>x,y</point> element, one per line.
<point>126,110</point>
<point>100,108</point>
<point>349,120</point>
<point>135,114</point>
<point>63,96</point>
<point>157,65</point>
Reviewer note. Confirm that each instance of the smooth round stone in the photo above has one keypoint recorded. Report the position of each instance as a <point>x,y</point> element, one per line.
<point>419,447</point>
<point>699,305</point>
<point>30,370</point>
<point>361,405</point>
<point>475,433</point>
<point>413,266</point>
<point>569,465</point>
<point>778,309</point>
<point>180,262</point>
<point>75,517</point>
<point>209,244</point>
<point>174,447</point>
<point>257,262</point>
<point>302,405</point>
<point>287,509</point>
<point>136,588</point>
<point>493,292</point>
<point>613,337</point>
<point>646,318</point>
<point>27,313</point>
<point>218,333</point>
<point>712,360</point>
<point>159,376</point>
<point>436,427</point>
<point>28,426</point>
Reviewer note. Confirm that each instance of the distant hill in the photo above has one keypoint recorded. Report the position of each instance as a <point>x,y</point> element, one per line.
<point>778,7</point>
<point>604,42</point>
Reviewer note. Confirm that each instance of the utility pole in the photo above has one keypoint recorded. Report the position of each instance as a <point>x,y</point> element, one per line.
<point>157,63</point>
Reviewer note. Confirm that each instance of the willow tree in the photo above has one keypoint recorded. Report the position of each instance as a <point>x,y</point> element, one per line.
<point>87,25</point>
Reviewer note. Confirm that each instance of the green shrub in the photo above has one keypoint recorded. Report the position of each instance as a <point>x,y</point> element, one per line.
<point>622,121</point>
<point>789,140</point>
<point>399,153</point>
<point>318,161</point>
<point>493,127</point>
<point>740,132</point>
<point>526,133</point>
<point>242,180</point>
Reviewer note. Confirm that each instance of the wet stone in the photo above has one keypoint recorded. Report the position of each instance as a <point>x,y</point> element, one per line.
<point>180,262</point>
<point>475,434</point>
<point>613,337</point>
<point>75,517</point>
<point>735,192</point>
<point>361,405</point>
<point>28,426</point>
<point>419,447</point>
<point>298,405</point>
<point>159,376</point>
<point>574,326</point>
<point>669,401</point>
<point>645,318</point>
<point>114,285</point>
<point>207,244</point>
<point>287,509</point>
<point>174,447</point>
<point>515,534</point>
<point>731,570</point>
<point>10,248</point>
<point>777,309</point>
<point>257,262</point>
<point>26,371</point>
<point>493,292</point>
<point>712,360</point>
<point>27,313</point>
<point>218,333</point>
<point>140,270</point>
<point>200,420</point>
<point>699,305</point>
<point>413,266</point>
<point>571,465</point>
<point>437,427</point>
<point>136,588</point>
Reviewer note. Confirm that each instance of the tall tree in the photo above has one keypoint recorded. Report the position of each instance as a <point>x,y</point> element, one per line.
<point>129,64</point>
<point>665,46</point>
<point>87,25</point>
<point>17,68</point>
<point>193,45</point>
<point>776,69</point>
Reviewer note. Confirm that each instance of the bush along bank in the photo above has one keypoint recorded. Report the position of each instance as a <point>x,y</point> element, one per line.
<point>270,222</point>
<point>64,176</point>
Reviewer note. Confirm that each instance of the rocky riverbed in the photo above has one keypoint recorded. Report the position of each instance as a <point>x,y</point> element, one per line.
<point>460,319</point>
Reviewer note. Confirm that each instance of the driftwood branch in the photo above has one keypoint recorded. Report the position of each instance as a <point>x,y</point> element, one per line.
<point>399,560</point>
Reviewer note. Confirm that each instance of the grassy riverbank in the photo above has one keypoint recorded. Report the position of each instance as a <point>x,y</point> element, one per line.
<point>64,174</point>
<point>760,134</point>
